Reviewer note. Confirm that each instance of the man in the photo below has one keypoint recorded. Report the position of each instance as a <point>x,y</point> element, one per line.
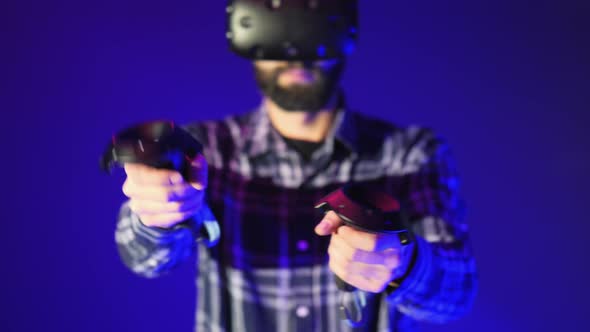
<point>261,174</point>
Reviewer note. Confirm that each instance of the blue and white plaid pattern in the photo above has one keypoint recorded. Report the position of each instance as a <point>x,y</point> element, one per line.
<point>269,271</point>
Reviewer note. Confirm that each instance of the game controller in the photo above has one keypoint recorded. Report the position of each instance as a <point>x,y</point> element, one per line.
<point>163,145</point>
<point>370,211</point>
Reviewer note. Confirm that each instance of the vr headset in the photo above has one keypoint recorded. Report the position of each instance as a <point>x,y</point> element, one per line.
<point>293,30</point>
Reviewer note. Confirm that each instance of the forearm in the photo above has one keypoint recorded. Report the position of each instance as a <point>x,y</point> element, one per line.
<point>149,251</point>
<point>442,284</point>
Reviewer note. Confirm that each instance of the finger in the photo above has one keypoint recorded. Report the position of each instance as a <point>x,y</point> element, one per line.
<point>392,258</point>
<point>367,280</point>
<point>165,220</point>
<point>368,241</point>
<point>159,193</point>
<point>355,280</point>
<point>199,172</point>
<point>351,267</point>
<point>355,254</point>
<point>146,207</point>
<point>142,174</point>
<point>376,286</point>
<point>329,224</point>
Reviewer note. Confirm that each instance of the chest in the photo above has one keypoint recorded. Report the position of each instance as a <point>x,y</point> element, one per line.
<point>269,226</point>
<point>265,225</point>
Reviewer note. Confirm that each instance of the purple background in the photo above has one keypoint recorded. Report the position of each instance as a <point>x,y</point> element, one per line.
<point>506,82</point>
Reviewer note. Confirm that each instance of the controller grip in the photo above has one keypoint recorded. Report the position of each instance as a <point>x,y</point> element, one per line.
<point>162,145</point>
<point>370,211</point>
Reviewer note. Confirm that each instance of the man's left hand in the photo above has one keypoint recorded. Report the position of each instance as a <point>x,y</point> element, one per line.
<point>364,260</point>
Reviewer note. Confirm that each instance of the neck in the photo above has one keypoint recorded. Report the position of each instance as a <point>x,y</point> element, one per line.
<point>301,125</point>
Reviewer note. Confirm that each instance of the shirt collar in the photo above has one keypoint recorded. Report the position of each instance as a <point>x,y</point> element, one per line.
<point>263,138</point>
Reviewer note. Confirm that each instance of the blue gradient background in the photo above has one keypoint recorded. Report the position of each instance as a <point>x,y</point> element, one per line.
<point>507,82</point>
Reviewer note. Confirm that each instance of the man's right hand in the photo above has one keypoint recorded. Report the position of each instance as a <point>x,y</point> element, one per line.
<point>162,198</point>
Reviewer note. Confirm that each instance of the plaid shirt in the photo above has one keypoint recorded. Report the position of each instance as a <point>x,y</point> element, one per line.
<point>269,271</point>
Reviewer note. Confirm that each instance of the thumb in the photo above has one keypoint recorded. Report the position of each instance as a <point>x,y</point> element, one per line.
<point>198,172</point>
<point>329,224</point>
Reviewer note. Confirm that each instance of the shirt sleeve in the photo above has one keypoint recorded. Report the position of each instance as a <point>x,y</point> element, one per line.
<point>443,281</point>
<point>151,252</point>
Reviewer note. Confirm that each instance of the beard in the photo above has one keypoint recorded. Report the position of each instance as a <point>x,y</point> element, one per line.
<point>298,97</point>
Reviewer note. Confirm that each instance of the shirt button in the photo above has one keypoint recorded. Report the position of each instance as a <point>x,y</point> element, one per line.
<point>302,245</point>
<point>302,311</point>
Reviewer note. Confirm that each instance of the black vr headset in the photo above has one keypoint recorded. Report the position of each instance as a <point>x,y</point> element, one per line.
<point>294,30</point>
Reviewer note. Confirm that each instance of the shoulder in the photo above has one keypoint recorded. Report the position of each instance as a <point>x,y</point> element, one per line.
<point>399,148</point>
<point>221,137</point>
<point>222,130</point>
<point>373,130</point>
